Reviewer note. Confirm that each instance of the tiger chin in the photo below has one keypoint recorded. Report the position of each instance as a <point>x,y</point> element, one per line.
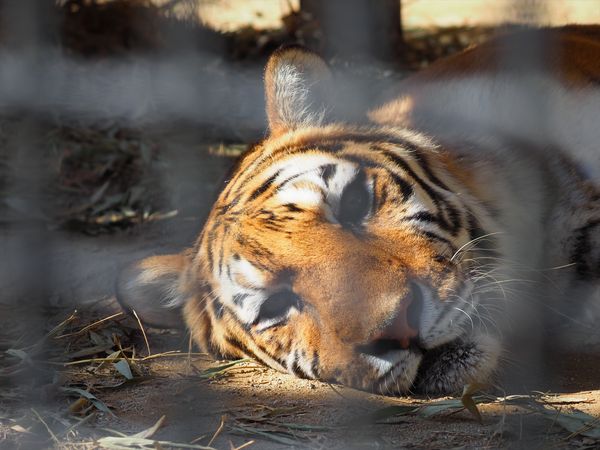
<point>372,255</point>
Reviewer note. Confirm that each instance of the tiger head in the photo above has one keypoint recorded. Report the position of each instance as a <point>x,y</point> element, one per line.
<point>335,252</point>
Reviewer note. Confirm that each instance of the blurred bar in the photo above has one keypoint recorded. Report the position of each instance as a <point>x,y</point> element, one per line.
<point>358,28</point>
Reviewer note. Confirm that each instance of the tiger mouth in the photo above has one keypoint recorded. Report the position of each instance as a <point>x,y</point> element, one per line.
<point>409,364</point>
<point>382,347</point>
<point>442,370</point>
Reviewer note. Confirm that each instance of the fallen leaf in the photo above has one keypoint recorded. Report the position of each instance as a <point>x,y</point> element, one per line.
<point>123,367</point>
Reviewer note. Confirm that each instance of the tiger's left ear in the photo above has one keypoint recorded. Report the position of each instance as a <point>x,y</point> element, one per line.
<point>297,84</point>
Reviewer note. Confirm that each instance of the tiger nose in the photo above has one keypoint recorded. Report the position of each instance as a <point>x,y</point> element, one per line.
<point>404,326</point>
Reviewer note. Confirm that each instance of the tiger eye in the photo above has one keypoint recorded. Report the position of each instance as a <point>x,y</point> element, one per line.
<point>278,305</point>
<point>355,202</point>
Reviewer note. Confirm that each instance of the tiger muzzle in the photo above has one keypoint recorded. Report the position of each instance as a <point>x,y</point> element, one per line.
<point>402,332</point>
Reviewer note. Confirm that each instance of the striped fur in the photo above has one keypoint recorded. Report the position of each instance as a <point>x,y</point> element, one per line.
<point>374,255</point>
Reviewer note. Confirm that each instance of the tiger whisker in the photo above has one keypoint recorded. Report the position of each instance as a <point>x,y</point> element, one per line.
<point>473,241</point>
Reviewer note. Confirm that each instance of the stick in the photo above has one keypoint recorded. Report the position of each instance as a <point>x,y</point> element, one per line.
<point>218,431</point>
<point>143,332</point>
<point>54,438</point>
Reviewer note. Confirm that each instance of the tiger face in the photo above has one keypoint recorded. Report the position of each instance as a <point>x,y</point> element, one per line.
<point>335,252</point>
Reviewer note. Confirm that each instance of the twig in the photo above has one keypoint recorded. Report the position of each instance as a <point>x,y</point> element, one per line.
<point>61,325</point>
<point>189,352</point>
<point>143,331</point>
<point>223,418</point>
<point>81,422</point>
<point>247,444</point>
<point>91,325</point>
<point>198,439</point>
<point>52,435</point>
<point>169,354</point>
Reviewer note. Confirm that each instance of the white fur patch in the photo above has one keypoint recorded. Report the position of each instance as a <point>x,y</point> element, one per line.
<point>252,277</point>
<point>305,168</point>
<point>399,369</point>
<point>243,289</point>
<point>301,196</point>
<point>292,97</point>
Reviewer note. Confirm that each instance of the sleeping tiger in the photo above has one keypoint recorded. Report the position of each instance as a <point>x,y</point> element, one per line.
<point>413,252</point>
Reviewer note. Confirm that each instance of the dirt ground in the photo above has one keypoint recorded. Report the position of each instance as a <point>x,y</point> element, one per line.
<point>83,379</point>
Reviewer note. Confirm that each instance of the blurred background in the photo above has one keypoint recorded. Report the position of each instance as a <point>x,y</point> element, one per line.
<point>118,121</point>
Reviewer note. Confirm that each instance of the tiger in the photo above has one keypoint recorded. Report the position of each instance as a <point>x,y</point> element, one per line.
<point>412,252</point>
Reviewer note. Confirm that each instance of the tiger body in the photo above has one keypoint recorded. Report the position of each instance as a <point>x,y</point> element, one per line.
<point>376,255</point>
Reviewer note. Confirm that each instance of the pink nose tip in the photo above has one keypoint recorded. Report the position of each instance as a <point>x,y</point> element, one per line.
<point>402,329</point>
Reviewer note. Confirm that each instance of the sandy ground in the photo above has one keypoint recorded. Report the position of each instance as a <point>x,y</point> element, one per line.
<point>194,408</point>
<point>253,403</point>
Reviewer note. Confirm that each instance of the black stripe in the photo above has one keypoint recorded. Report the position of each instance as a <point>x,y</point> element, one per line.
<point>222,210</point>
<point>325,146</point>
<point>222,251</point>
<point>238,299</point>
<point>331,145</point>
<point>453,222</point>
<point>218,308</point>
<point>236,171</point>
<point>424,164</point>
<point>296,369</point>
<point>582,252</point>
<point>423,216</point>
<point>454,217</point>
<point>328,172</point>
<point>488,244</point>
<point>405,187</point>
<point>236,343</point>
<point>274,227</point>
<point>474,226</point>
<point>436,237</point>
<point>293,177</point>
<point>207,339</point>
<point>255,247</point>
<point>263,187</point>
<point>322,146</point>
<point>280,361</point>
<point>402,164</point>
<point>291,207</point>
<point>314,365</point>
<point>363,161</point>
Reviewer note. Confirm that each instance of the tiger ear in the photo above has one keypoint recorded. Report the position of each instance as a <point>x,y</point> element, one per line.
<point>297,83</point>
<point>152,288</point>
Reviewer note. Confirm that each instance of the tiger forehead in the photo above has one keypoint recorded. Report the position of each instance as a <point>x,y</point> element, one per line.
<point>284,164</point>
